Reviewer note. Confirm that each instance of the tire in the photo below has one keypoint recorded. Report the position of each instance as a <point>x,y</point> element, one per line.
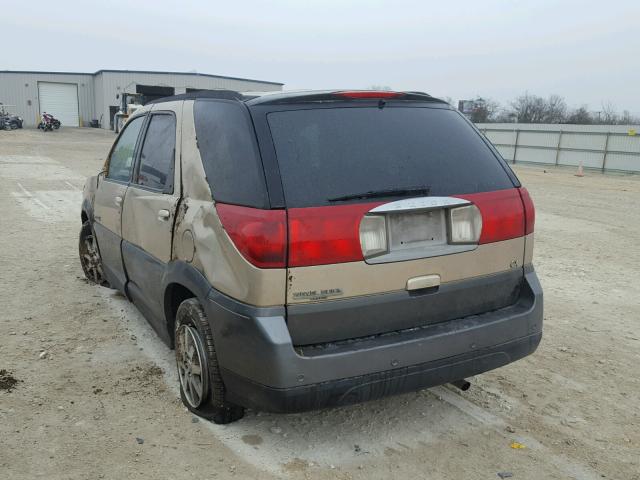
<point>90,255</point>
<point>201,387</point>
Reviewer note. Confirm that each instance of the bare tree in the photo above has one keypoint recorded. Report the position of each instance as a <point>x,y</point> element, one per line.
<point>528,108</point>
<point>484,110</point>
<point>556,109</point>
<point>533,109</point>
<point>580,116</point>
<point>608,115</point>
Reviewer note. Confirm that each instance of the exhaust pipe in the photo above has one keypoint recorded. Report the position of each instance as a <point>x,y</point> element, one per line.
<point>461,384</point>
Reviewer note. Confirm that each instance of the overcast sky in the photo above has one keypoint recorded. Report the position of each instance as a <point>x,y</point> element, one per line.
<point>586,51</point>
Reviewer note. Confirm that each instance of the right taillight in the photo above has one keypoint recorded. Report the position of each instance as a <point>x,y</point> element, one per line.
<point>529,211</point>
<point>465,224</point>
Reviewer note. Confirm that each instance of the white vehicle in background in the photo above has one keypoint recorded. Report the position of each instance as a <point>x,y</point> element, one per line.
<point>131,103</point>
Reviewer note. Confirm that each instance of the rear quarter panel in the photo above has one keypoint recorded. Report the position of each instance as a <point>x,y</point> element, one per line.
<point>200,238</point>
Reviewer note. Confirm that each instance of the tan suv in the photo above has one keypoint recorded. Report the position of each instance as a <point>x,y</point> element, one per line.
<point>302,250</point>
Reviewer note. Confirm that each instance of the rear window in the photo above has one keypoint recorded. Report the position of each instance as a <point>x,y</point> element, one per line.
<point>330,153</point>
<point>229,153</point>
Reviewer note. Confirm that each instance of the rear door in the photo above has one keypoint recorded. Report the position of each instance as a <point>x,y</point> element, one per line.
<point>398,216</point>
<point>149,210</point>
<point>109,199</point>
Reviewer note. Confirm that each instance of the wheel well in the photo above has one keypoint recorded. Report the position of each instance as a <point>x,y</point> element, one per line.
<point>174,295</point>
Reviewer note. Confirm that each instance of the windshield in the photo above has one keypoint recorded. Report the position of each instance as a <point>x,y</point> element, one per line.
<point>326,154</point>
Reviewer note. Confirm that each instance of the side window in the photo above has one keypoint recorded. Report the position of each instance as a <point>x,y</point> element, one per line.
<point>227,143</point>
<point>121,160</point>
<point>158,152</point>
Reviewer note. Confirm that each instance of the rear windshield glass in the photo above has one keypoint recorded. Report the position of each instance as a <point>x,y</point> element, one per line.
<point>332,153</point>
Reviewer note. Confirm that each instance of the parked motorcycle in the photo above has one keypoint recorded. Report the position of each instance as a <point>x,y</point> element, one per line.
<point>49,123</point>
<point>9,121</point>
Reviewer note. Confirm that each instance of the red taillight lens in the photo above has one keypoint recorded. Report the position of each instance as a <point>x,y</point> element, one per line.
<point>368,94</point>
<point>529,211</point>
<point>260,235</point>
<point>323,235</point>
<point>502,214</point>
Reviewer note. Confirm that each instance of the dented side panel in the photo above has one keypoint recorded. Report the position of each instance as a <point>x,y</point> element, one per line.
<point>200,239</point>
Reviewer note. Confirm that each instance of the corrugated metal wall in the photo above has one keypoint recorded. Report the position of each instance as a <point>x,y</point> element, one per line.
<point>21,90</point>
<point>96,92</point>
<point>113,83</point>
<point>605,147</point>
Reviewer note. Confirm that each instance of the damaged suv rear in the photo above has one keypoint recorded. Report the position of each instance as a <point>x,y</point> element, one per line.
<point>318,248</point>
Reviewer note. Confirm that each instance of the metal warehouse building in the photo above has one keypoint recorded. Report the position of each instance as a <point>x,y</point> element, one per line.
<point>77,98</point>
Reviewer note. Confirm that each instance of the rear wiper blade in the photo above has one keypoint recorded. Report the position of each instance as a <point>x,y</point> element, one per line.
<point>391,192</point>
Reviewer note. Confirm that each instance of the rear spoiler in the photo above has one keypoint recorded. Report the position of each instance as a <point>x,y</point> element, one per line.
<point>341,96</point>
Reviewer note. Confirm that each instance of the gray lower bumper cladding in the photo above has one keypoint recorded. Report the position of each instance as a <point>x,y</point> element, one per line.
<point>263,370</point>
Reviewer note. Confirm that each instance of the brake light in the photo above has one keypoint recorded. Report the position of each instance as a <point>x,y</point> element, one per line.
<point>260,235</point>
<point>323,235</point>
<point>503,215</point>
<point>345,233</point>
<point>368,94</point>
<point>529,211</point>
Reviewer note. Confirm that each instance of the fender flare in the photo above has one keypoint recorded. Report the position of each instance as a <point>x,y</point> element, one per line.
<point>88,209</point>
<point>186,275</point>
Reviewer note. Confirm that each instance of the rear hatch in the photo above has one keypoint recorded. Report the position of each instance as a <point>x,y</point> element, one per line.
<point>399,215</point>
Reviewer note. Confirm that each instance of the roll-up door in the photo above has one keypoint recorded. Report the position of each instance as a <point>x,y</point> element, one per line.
<point>60,100</point>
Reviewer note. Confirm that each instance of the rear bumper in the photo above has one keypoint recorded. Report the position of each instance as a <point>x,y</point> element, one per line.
<point>262,369</point>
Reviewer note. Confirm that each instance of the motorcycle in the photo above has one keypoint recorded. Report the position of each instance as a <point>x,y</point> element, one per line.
<point>49,122</point>
<point>9,121</point>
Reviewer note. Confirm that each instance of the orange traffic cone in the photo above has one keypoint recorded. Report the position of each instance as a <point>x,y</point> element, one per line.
<point>580,172</point>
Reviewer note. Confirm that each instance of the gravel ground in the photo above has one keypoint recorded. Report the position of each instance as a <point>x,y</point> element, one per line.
<point>88,391</point>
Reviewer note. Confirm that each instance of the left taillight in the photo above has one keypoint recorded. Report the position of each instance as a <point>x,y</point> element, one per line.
<point>324,235</point>
<point>259,235</point>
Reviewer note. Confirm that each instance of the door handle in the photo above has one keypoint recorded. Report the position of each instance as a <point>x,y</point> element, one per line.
<point>163,215</point>
<point>118,201</point>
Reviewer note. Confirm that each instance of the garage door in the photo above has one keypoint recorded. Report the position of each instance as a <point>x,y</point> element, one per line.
<point>60,100</point>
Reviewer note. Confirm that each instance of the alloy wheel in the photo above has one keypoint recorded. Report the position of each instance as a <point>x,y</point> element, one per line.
<point>192,365</point>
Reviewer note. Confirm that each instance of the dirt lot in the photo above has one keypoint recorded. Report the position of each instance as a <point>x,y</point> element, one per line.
<point>88,391</point>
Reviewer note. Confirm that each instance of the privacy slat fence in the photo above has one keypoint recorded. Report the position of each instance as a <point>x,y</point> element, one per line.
<point>604,147</point>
